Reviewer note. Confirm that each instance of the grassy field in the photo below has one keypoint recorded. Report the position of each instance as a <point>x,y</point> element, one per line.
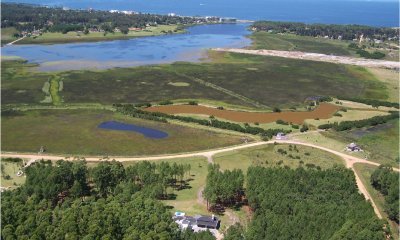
<point>234,79</point>
<point>391,79</point>
<point>75,132</point>
<point>11,169</point>
<point>7,34</point>
<point>268,156</point>
<point>270,80</point>
<point>291,42</point>
<point>49,37</point>
<point>380,143</point>
<point>365,171</point>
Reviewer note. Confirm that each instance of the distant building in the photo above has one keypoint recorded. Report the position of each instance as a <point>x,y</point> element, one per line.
<point>197,223</point>
<point>352,147</point>
<point>281,136</point>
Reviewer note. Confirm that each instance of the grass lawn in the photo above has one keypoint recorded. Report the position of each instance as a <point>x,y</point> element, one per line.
<point>50,37</point>
<point>268,156</point>
<point>365,171</point>
<point>76,132</point>
<point>11,169</point>
<point>291,42</point>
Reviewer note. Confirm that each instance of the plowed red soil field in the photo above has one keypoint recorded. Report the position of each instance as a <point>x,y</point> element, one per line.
<point>323,111</point>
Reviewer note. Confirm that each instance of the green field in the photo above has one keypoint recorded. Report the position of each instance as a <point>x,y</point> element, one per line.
<point>268,156</point>
<point>75,132</point>
<point>7,34</point>
<point>381,143</point>
<point>365,171</point>
<point>291,42</point>
<point>10,169</point>
<point>250,81</point>
<point>49,37</point>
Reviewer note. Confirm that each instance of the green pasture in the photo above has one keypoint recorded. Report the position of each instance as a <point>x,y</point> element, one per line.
<point>268,156</point>
<point>291,42</point>
<point>75,132</point>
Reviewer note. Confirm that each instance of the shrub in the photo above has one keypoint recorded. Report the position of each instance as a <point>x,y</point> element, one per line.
<point>166,102</point>
<point>304,128</point>
<point>280,121</point>
<point>275,109</point>
<point>193,103</point>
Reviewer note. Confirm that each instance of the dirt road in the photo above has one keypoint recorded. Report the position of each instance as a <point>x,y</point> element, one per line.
<point>349,160</point>
<point>316,57</point>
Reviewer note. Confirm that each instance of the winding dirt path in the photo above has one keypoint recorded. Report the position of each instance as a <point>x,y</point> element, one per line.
<point>349,160</point>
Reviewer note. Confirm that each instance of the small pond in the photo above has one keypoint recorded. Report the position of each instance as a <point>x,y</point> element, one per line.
<point>147,132</point>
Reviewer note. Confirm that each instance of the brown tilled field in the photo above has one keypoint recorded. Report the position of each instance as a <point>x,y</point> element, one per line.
<point>323,111</point>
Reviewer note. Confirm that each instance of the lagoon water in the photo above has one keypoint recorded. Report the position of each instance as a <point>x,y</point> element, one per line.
<point>147,132</point>
<point>190,46</point>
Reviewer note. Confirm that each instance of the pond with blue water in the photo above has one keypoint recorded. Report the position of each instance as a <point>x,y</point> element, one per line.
<point>191,46</point>
<point>147,132</point>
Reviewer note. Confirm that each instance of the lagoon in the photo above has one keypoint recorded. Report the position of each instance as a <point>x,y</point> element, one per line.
<point>190,46</point>
<point>147,132</point>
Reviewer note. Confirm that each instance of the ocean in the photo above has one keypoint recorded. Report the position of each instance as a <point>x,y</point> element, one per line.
<point>364,12</point>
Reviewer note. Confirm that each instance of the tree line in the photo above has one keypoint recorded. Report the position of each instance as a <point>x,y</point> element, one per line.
<point>373,102</point>
<point>25,17</point>
<point>133,111</point>
<point>307,204</point>
<point>345,32</point>
<point>386,181</point>
<point>223,188</point>
<point>348,125</point>
<point>68,200</point>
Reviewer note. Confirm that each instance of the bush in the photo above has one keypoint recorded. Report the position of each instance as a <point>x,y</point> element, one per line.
<point>279,121</point>
<point>304,128</point>
<point>275,109</point>
<point>193,103</point>
<point>336,114</point>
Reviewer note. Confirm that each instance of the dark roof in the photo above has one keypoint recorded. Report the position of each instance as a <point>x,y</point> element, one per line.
<point>207,221</point>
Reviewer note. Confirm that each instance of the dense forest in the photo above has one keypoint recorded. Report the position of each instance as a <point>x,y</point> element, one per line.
<point>67,200</point>
<point>386,181</point>
<point>345,32</point>
<point>223,188</point>
<point>307,204</point>
<point>26,17</point>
